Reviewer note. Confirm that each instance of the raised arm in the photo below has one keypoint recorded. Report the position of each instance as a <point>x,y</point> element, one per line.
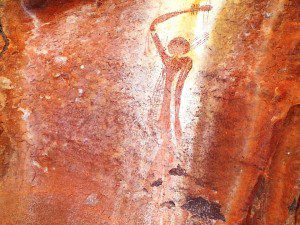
<point>193,9</point>
<point>163,18</point>
<point>162,51</point>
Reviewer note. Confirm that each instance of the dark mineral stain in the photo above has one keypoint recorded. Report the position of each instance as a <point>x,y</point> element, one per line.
<point>204,209</point>
<point>157,183</point>
<point>5,39</point>
<point>178,171</point>
<point>35,4</point>
<point>99,3</point>
<point>168,204</point>
<point>293,207</point>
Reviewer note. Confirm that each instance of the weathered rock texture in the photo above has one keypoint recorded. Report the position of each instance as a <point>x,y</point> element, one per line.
<point>78,145</point>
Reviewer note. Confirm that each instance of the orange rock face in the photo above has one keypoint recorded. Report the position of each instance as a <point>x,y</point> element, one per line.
<point>149,112</point>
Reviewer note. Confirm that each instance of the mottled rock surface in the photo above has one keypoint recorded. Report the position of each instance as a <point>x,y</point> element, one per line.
<point>81,87</point>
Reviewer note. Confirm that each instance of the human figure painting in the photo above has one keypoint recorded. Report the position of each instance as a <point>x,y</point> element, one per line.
<point>176,64</point>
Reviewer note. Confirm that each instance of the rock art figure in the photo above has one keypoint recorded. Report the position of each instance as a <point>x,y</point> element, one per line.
<point>175,64</point>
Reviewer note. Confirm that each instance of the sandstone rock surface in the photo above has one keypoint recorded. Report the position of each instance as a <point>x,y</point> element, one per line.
<point>81,88</point>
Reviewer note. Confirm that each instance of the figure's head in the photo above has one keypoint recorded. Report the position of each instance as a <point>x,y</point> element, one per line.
<point>179,46</point>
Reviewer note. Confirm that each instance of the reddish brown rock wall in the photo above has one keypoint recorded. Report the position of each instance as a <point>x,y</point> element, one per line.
<point>80,87</point>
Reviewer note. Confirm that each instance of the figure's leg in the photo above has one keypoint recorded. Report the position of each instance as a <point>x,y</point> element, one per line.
<point>178,92</point>
<point>165,112</point>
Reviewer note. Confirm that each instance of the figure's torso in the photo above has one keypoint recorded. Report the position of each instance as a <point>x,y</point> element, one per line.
<point>175,65</point>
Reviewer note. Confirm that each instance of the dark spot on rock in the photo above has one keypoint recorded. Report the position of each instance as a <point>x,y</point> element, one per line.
<point>99,3</point>
<point>5,39</point>
<point>157,183</point>
<point>168,204</point>
<point>204,209</point>
<point>293,207</point>
<point>178,171</point>
<point>35,4</point>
